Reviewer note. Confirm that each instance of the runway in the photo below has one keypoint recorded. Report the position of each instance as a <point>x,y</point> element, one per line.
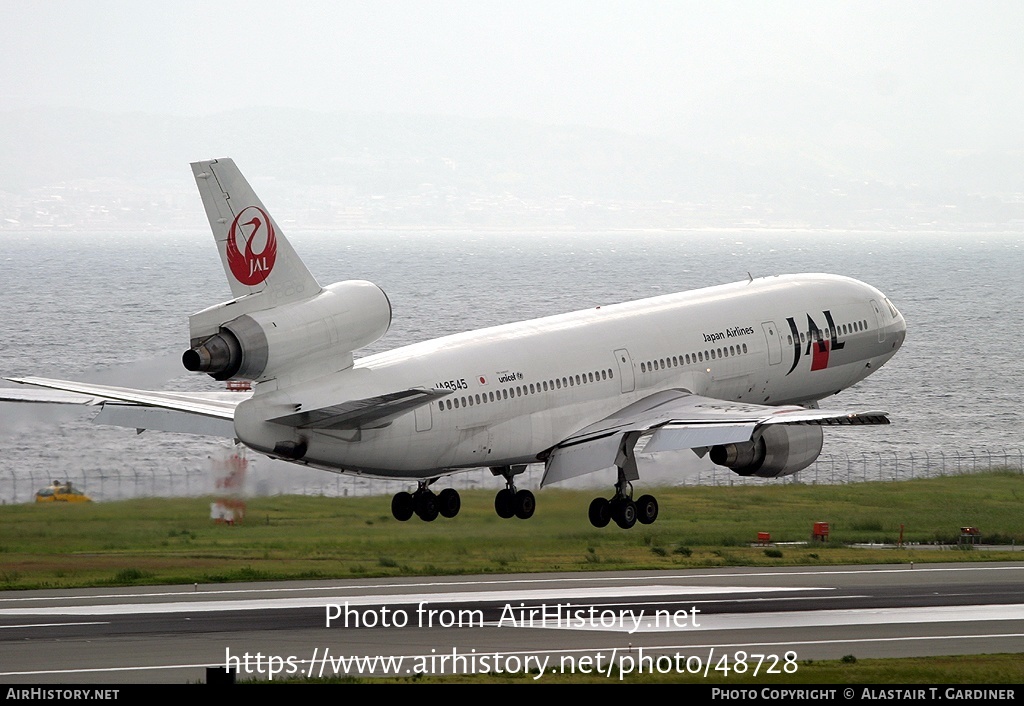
<point>697,620</point>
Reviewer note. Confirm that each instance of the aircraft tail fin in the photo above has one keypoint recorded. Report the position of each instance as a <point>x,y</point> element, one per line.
<point>257,258</point>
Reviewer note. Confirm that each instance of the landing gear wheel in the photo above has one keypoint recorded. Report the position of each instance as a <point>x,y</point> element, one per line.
<point>510,502</point>
<point>504,504</point>
<point>615,506</point>
<point>624,514</point>
<point>646,509</point>
<point>426,505</point>
<point>600,512</point>
<point>525,504</point>
<point>402,506</point>
<point>449,503</point>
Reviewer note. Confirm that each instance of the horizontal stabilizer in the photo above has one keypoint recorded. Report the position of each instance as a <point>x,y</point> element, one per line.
<point>361,414</point>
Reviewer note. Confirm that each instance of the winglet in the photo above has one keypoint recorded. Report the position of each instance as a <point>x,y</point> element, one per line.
<point>257,258</point>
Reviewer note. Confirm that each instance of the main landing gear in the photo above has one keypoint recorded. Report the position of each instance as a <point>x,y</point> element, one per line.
<point>622,508</point>
<point>425,504</point>
<point>510,502</point>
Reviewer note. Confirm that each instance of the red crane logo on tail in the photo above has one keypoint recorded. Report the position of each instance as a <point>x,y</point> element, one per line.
<point>252,227</point>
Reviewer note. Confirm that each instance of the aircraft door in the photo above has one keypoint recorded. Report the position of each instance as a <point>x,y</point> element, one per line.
<point>625,363</point>
<point>774,339</point>
<point>424,419</point>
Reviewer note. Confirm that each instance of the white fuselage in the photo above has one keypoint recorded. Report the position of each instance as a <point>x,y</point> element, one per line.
<point>519,389</point>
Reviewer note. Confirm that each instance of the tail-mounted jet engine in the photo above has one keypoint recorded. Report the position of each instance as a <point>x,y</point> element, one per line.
<point>259,345</point>
<point>776,450</point>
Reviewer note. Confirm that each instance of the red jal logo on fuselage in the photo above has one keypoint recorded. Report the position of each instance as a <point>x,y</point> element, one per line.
<point>818,346</point>
<point>251,226</point>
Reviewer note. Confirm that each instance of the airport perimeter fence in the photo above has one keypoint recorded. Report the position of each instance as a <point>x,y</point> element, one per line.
<point>829,469</point>
<point>839,469</point>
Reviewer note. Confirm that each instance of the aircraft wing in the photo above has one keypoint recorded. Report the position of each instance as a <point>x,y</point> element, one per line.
<point>32,395</point>
<point>677,420</point>
<point>209,413</point>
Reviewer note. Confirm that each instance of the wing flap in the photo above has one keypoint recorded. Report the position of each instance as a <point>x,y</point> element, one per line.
<point>146,418</point>
<point>579,459</point>
<point>697,435</point>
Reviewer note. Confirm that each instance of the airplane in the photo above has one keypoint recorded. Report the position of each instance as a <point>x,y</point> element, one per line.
<point>734,372</point>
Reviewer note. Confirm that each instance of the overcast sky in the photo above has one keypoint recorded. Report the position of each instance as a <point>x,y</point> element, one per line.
<point>949,71</point>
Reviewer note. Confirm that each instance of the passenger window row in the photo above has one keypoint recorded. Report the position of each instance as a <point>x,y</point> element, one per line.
<point>509,393</point>
<point>692,358</point>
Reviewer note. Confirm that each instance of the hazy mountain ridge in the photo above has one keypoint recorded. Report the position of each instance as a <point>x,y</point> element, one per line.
<point>91,170</point>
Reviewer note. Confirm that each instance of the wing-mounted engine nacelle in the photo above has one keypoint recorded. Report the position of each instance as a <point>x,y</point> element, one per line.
<point>270,342</point>
<point>777,450</point>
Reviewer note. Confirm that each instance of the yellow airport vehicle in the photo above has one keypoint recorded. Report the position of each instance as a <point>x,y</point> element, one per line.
<point>62,493</point>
